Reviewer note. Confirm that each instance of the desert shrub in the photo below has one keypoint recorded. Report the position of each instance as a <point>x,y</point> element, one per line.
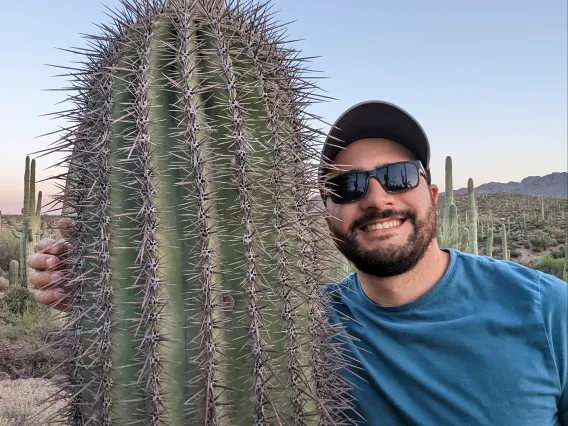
<point>9,249</point>
<point>17,300</point>
<point>558,253</point>
<point>550,265</point>
<point>541,240</point>
<point>515,254</point>
<point>25,327</point>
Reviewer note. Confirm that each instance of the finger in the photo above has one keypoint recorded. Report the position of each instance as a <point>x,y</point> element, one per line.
<point>42,262</point>
<point>49,246</point>
<point>66,228</point>
<point>44,244</point>
<point>54,298</point>
<point>44,280</point>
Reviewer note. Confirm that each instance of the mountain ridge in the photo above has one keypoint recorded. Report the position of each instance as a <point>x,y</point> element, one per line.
<point>551,185</point>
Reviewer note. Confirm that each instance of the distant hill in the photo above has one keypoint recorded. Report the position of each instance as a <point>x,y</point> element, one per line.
<point>552,185</point>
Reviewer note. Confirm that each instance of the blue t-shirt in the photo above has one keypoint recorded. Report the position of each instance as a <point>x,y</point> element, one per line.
<point>488,345</point>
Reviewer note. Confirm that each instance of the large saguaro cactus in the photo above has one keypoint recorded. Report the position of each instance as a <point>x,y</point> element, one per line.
<point>197,255</point>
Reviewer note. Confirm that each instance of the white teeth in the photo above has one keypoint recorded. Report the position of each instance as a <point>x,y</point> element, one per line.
<point>384,225</point>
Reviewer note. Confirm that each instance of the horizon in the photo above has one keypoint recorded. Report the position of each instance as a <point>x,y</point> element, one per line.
<point>488,82</point>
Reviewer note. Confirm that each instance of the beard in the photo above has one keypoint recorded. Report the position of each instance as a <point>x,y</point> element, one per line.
<point>391,259</point>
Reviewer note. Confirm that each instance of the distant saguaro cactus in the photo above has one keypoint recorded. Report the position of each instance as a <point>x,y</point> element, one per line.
<point>197,257</point>
<point>30,231</point>
<point>471,218</point>
<point>504,242</point>
<point>449,190</point>
<point>565,271</point>
<point>490,242</point>
<point>464,244</point>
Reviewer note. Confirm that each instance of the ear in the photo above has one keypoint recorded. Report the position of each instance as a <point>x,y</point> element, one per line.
<point>434,191</point>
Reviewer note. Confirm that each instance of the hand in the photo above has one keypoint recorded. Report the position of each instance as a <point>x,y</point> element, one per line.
<point>48,273</point>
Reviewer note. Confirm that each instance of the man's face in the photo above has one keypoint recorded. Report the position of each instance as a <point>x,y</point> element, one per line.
<point>391,250</point>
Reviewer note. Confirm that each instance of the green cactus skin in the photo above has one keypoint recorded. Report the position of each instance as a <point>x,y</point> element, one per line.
<point>471,218</point>
<point>504,242</point>
<point>197,254</point>
<point>13,275</point>
<point>490,242</point>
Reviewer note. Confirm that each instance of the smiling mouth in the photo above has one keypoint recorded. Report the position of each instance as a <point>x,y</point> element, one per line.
<point>387,224</point>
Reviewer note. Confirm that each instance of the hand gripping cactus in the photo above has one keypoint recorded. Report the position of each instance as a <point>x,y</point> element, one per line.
<point>197,254</point>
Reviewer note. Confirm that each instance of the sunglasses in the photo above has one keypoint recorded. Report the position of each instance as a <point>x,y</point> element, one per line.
<point>396,177</point>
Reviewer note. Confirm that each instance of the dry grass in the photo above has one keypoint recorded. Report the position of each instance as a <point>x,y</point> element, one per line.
<point>23,402</point>
<point>25,360</point>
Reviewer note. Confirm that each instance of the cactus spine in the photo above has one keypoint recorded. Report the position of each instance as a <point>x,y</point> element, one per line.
<point>197,254</point>
<point>13,273</point>
<point>472,218</point>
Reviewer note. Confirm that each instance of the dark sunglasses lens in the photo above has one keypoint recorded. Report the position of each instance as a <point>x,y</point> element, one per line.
<point>398,177</point>
<point>348,187</point>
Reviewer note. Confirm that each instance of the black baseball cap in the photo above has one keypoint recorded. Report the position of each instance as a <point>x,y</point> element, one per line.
<point>376,119</point>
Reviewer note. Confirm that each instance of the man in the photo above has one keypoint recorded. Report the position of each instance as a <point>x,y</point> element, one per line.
<point>440,337</point>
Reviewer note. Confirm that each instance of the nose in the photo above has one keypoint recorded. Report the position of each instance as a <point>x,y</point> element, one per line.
<point>376,197</point>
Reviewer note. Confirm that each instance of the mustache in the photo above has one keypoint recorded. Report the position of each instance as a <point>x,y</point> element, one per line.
<point>384,214</point>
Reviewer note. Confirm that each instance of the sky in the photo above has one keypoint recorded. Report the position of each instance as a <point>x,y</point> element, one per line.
<point>486,80</point>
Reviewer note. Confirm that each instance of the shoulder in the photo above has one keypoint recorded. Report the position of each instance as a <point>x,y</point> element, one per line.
<point>513,284</point>
<point>491,264</point>
<point>519,286</point>
<point>506,274</point>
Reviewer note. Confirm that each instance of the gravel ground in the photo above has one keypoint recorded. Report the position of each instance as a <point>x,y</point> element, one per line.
<point>20,402</point>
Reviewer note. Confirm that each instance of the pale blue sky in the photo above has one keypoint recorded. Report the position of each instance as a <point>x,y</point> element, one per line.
<point>486,79</point>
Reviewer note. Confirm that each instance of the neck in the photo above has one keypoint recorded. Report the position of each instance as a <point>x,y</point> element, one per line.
<point>408,287</point>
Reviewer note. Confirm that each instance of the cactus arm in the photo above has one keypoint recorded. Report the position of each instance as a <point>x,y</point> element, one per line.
<point>13,273</point>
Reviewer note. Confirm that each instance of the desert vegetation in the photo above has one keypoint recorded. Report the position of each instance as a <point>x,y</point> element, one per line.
<point>529,230</point>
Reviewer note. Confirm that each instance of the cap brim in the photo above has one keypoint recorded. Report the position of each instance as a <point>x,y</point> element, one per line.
<point>376,119</point>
